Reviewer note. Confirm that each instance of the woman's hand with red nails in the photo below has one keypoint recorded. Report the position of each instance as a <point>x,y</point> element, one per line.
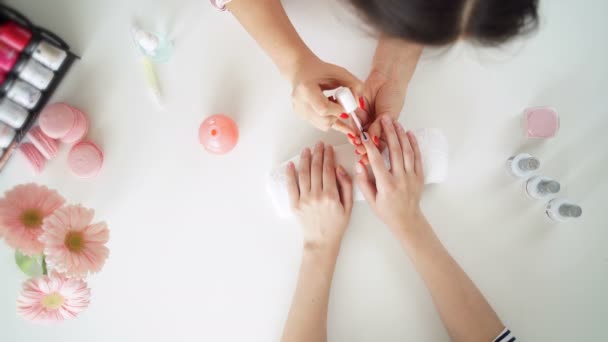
<point>385,88</point>
<point>321,196</point>
<point>311,78</point>
<point>395,194</point>
<point>384,96</point>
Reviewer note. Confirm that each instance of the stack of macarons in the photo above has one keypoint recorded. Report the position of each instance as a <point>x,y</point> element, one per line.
<point>61,122</point>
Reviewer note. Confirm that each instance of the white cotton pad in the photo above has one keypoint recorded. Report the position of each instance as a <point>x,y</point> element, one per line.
<point>433,148</point>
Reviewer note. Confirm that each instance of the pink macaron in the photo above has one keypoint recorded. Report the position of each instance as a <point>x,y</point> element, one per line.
<point>80,128</point>
<point>47,146</point>
<point>57,120</point>
<point>64,122</point>
<point>85,159</point>
<point>33,156</point>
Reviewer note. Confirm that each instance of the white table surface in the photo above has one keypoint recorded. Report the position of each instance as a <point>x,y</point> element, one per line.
<point>197,253</point>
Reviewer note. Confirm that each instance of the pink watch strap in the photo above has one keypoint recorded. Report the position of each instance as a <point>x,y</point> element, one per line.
<point>220,4</point>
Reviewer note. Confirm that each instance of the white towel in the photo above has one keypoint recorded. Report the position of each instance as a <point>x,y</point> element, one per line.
<point>433,148</point>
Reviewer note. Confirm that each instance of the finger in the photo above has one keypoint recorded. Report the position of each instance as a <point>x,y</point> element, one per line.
<point>408,153</point>
<point>345,189</point>
<point>320,104</point>
<point>364,116</point>
<point>375,130</point>
<point>329,168</point>
<point>316,169</point>
<point>394,147</point>
<point>292,185</point>
<point>365,184</point>
<point>343,127</point>
<point>418,167</point>
<point>304,172</point>
<point>344,78</point>
<point>364,160</point>
<point>360,150</point>
<point>323,123</point>
<point>376,161</point>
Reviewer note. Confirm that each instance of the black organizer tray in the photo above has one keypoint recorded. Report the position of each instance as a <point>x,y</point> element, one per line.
<point>37,34</point>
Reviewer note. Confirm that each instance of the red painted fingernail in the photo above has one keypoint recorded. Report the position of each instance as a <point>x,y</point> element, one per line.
<point>344,116</point>
<point>376,141</point>
<point>362,102</point>
<point>351,136</point>
<point>357,152</point>
<point>362,163</point>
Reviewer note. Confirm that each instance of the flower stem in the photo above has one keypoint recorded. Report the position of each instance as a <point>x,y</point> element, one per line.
<point>44,271</point>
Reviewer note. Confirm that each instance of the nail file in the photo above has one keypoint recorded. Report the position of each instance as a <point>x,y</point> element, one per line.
<point>347,100</point>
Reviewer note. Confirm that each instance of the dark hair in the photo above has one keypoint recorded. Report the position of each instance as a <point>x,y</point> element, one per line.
<point>438,22</point>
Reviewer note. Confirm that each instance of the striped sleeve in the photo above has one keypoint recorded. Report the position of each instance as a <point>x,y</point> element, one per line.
<point>220,4</point>
<point>505,336</point>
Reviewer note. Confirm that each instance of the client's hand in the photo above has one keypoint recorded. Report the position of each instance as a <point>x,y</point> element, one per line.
<point>321,196</point>
<point>312,77</point>
<point>395,195</point>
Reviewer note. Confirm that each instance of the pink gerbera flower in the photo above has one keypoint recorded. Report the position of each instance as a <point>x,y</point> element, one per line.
<point>54,298</point>
<point>72,244</point>
<point>22,212</point>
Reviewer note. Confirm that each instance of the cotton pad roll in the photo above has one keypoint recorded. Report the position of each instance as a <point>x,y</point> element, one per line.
<point>433,148</point>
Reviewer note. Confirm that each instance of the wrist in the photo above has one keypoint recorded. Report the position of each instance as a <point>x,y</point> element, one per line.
<point>322,249</point>
<point>396,58</point>
<point>296,62</point>
<point>411,226</point>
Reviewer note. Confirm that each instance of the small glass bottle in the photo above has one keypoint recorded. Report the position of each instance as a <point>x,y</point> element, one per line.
<point>540,187</point>
<point>522,165</point>
<point>561,210</point>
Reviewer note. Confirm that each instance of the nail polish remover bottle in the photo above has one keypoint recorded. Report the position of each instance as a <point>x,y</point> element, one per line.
<point>540,187</point>
<point>522,165</point>
<point>561,210</point>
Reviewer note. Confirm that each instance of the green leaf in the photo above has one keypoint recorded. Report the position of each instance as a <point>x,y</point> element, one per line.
<point>31,266</point>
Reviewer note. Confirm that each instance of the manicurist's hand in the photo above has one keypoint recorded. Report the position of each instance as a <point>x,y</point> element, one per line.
<point>321,197</point>
<point>385,88</point>
<point>311,77</point>
<point>395,194</point>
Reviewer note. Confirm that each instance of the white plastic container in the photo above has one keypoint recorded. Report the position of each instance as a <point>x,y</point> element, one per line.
<point>522,165</point>
<point>540,187</point>
<point>561,210</point>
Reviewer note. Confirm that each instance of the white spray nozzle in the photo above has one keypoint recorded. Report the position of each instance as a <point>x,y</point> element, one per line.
<point>347,100</point>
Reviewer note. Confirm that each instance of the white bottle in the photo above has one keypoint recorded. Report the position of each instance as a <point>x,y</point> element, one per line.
<point>542,187</point>
<point>561,210</point>
<point>522,165</point>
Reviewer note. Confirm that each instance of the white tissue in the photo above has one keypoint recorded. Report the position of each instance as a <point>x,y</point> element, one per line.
<point>433,148</point>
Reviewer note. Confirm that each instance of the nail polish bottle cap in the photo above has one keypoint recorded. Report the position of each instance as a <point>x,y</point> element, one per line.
<point>347,100</point>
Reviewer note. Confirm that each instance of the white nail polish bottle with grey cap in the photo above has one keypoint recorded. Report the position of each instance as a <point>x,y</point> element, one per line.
<point>541,187</point>
<point>561,210</point>
<point>522,165</point>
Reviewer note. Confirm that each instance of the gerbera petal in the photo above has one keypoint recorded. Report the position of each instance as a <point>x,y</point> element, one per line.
<point>85,252</point>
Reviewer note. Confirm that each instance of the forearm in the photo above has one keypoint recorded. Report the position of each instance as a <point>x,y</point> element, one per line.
<point>307,320</point>
<point>267,22</point>
<point>396,59</point>
<point>463,309</point>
